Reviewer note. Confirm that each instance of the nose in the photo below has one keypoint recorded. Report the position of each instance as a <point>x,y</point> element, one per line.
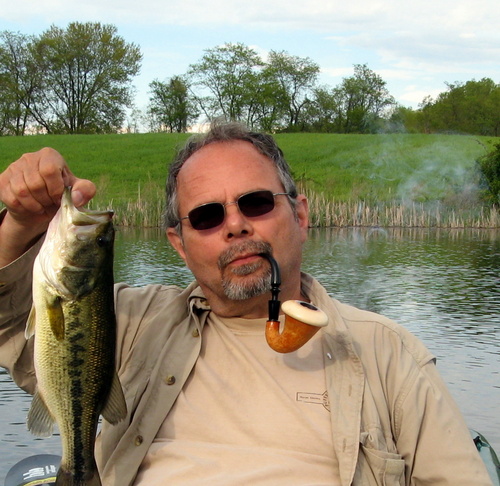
<point>236,225</point>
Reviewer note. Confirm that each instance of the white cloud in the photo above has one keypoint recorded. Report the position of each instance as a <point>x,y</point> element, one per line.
<point>413,95</point>
<point>338,72</point>
<point>421,43</point>
<point>314,14</point>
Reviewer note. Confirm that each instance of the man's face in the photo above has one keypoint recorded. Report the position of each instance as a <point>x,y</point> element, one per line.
<point>225,259</point>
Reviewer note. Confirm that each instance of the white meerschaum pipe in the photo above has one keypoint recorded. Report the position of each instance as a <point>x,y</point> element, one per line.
<point>302,322</point>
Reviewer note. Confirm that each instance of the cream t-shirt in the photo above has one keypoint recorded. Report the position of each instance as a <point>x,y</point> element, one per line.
<point>246,416</point>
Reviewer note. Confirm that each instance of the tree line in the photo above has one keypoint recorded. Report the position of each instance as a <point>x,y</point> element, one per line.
<point>79,80</point>
<point>281,94</point>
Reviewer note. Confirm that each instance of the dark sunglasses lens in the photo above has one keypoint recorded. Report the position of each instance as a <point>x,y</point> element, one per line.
<point>207,216</point>
<point>256,203</point>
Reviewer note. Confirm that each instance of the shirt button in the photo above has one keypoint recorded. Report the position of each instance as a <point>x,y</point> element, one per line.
<point>170,380</point>
<point>195,333</point>
<point>139,440</point>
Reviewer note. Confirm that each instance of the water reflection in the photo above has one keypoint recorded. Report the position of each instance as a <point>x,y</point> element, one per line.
<point>442,285</point>
<point>143,256</point>
<point>16,442</point>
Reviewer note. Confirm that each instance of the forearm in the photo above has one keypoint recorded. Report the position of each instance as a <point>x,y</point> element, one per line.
<point>16,239</point>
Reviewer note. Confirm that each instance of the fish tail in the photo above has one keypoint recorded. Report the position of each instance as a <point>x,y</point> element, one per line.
<point>68,478</point>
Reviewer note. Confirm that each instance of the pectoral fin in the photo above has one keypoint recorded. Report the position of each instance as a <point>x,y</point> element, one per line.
<point>56,317</point>
<point>30,323</point>
<point>40,421</point>
<point>115,409</point>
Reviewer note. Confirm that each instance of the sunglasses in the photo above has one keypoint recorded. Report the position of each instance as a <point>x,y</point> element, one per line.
<point>251,205</point>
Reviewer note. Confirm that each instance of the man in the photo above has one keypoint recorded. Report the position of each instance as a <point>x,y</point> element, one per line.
<point>208,401</point>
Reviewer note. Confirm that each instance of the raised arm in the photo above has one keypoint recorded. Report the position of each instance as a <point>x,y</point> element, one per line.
<point>31,189</point>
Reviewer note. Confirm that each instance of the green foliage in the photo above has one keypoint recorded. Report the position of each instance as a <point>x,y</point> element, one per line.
<point>73,80</point>
<point>78,80</point>
<point>228,73</point>
<point>171,108</point>
<point>20,81</point>
<point>238,85</point>
<point>363,97</point>
<point>295,77</point>
<point>357,105</point>
<point>87,70</point>
<point>472,107</point>
<point>489,169</point>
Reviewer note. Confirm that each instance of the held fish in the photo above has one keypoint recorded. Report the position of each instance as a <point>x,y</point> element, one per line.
<point>73,321</point>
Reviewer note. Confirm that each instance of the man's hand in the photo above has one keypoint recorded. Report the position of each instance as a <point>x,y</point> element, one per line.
<point>31,188</point>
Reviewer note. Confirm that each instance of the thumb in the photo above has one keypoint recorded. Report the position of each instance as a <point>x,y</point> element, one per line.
<point>82,191</point>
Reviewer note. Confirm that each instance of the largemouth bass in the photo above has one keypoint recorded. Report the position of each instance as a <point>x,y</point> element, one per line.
<point>73,320</point>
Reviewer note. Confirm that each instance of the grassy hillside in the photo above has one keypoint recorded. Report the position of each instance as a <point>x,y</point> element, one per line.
<point>373,169</point>
<point>122,166</point>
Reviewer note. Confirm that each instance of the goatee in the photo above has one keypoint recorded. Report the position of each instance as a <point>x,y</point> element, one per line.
<point>257,274</point>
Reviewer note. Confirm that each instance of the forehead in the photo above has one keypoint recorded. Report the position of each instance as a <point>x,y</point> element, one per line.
<point>235,163</point>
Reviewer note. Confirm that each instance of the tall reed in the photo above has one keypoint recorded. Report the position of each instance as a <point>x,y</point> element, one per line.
<point>147,211</point>
<point>328,213</point>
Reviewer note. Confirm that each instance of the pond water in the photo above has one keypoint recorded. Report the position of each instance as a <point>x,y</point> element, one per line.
<point>442,285</point>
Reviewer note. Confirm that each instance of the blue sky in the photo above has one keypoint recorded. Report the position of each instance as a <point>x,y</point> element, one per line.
<point>416,47</point>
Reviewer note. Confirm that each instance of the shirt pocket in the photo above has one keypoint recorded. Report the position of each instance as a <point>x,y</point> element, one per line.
<point>376,466</point>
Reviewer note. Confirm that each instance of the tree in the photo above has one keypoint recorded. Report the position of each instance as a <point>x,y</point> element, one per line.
<point>363,98</point>
<point>472,107</point>
<point>170,106</point>
<point>229,75</point>
<point>20,82</point>
<point>267,107</point>
<point>324,113</point>
<point>404,119</point>
<point>295,77</point>
<point>87,71</point>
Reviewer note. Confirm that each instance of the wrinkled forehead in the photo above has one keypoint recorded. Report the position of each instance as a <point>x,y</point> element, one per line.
<point>232,154</point>
<point>236,166</point>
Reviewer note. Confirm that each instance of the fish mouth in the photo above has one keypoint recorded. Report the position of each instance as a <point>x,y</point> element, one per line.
<point>82,217</point>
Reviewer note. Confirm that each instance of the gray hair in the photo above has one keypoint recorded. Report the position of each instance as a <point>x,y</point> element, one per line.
<point>225,132</point>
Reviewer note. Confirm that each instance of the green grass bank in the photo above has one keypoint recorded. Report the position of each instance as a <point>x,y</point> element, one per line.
<point>351,180</point>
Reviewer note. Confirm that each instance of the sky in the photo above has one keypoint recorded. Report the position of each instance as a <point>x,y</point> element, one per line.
<point>416,46</point>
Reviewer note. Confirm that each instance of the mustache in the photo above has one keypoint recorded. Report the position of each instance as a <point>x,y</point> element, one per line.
<point>246,247</point>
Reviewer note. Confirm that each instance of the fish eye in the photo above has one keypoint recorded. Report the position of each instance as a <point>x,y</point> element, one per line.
<point>101,241</point>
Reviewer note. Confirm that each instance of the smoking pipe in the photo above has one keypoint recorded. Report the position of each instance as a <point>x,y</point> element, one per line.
<point>302,319</point>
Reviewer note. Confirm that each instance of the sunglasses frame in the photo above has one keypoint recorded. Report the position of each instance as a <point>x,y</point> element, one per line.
<point>237,202</point>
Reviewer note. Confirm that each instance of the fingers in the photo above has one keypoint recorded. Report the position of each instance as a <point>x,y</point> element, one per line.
<point>34,182</point>
<point>33,185</point>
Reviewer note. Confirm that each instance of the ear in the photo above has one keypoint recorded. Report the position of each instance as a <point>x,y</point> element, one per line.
<point>176,241</point>
<point>302,209</point>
